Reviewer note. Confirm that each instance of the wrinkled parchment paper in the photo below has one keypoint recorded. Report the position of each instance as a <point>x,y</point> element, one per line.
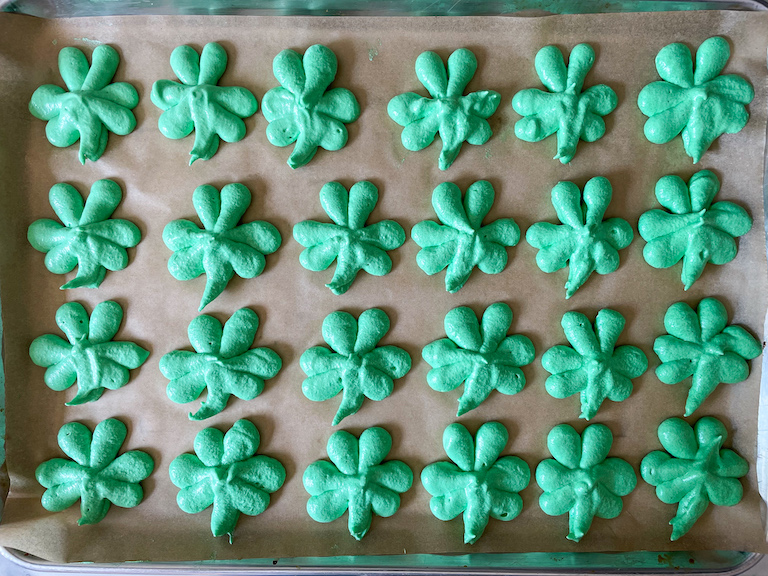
<point>376,58</point>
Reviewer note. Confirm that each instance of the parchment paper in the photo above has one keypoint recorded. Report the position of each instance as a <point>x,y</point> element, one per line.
<point>376,58</point>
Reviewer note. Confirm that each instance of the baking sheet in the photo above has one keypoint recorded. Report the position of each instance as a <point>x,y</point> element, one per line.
<point>376,59</point>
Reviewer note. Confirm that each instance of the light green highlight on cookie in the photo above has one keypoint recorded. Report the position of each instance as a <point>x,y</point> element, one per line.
<point>355,365</point>
<point>701,104</point>
<point>461,243</point>
<point>479,355</point>
<point>88,357</point>
<point>90,107</point>
<point>223,363</point>
<point>197,103</point>
<point>593,367</point>
<point>581,480</point>
<point>356,480</point>
<point>566,109</point>
<point>348,241</point>
<point>696,472</point>
<point>585,242</point>
<point>693,229</point>
<point>94,473</point>
<point>302,109</point>
<point>455,117</point>
<point>226,473</point>
<point>702,346</point>
<point>87,237</point>
<point>478,483</point>
<point>222,248</point>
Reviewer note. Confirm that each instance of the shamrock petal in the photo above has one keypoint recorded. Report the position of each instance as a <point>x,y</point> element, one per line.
<point>564,443</point>
<point>490,440</point>
<point>675,65</point>
<point>711,58</point>
<point>682,322</point>
<point>459,446</point>
<point>375,443</point>
<point>596,442</point>
<point>551,69</point>
<point>462,327</point>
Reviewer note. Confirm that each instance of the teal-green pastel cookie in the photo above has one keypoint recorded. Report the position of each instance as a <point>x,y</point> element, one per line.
<point>581,481</point>
<point>593,367</point>
<point>701,104</point>
<point>461,243</point>
<point>222,248</point>
<point>355,365</point>
<point>478,483</point>
<point>223,363</point>
<point>87,237</point>
<point>226,473</point>
<point>566,109</point>
<point>696,472</point>
<point>694,230</point>
<point>456,117</point>
<point>352,244</point>
<point>302,109</point>
<point>94,474</point>
<point>197,103</point>
<point>702,346</point>
<point>356,480</point>
<point>90,107</point>
<point>480,356</point>
<point>585,242</point>
<point>89,358</point>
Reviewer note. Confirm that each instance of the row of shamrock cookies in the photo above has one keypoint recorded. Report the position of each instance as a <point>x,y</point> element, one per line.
<point>690,228</point>
<point>701,104</point>
<point>476,353</point>
<point>226,473</point>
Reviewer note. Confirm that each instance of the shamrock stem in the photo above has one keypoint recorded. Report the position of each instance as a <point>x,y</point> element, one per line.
<point>690,509</point>
<point>579,270</point>
<point>303,151</point>
<point>351,399</point>
<point>580,517</point>
<point>90,274</point>
<point>206,140</point>
<point>215,401</point>
<point>93,507</point>
<point>360,514</point>
<point>345,272</point>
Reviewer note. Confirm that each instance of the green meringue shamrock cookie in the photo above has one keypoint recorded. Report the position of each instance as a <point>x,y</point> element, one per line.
<point>226,473</point>
<point>701,344</point>
<point>702,104</point>
<point>455,117</point>
<point>592,366</point>
<point>90,107</point>
<point>694,230</point>
<point>197,103</point>
<point>480,356</point>
<point>357,480</point>
<point>478,483</point>
<point>353,245</point>
<point>222,248</point>
<point>574,114</point>
<point>223,363</point>
<point>94,473</point>
<point>696,471</point>
<point>355,364</point>
<point>88,237</point>
<point>90,358</point>
<point>581,481</point>
<point>584,242</point>
<point>302,109</point>
<point>462,243</point>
